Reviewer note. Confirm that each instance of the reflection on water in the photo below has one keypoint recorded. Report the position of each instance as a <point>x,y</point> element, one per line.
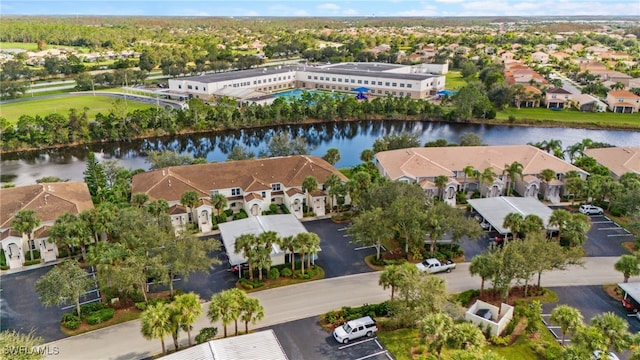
<point>350,138</point>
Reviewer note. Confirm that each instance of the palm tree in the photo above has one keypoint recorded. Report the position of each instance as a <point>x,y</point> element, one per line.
<point>436,329</point>
<point>628,266</point>
<point>246,243</point>
<point>187,309</point>
<point>139,199</point>
<point>532,224</point>
<point>393,276</point>
<point>481,266</point>
<point>367,155</point>
<point>25,222</point>
<point>469,172</point>
<point>576,229</point>
<point>468,336</point>
<point>252,311</point>
<point>289,243</point>
<point>569,319</point>
<point>614,328</point>
<point>513,170</point>
<point>487,176</point>
<point>547,175</point>
<point>309,184</point>
<point>514,222</point>
<point>559,218</point>
<point>219,202</point>
<point>331,183</point>
<point>156,322</point>
<point>224,307</point>
<point>332,156</point>
<point>302,241</point>
<point>190,199</point>
<point>313,246</point>
<point>441,181</point>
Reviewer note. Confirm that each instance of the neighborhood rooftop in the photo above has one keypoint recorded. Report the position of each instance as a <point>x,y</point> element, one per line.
<point>495,209</point>
<point>619,160</point>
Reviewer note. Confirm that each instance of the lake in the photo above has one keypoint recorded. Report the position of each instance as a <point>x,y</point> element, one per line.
<point>349,138</point>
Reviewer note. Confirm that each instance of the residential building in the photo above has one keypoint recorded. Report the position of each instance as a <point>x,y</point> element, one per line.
<point>528,97</point>
<point>619,160</point>
<point>623,101</point>
<point>250,185</point>
<point>558,98</point>
<point>379,79</point>
<point>49,201</point>
<point>540,57</point>
<point>423,165</point>
<point>588,103</point>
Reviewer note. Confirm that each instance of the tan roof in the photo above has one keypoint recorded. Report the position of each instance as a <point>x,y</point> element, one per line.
<point>293,191</point>
<point>249,175</point>
<point>623,94</point>
<point>619,160</point>
<point>48,200</point>
<point>177,209</point>
<point>435,161</point>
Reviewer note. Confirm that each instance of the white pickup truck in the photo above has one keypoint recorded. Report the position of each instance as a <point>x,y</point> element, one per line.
<point>433,266</point>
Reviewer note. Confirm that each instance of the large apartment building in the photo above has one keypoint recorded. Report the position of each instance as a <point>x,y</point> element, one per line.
<point>257,85</point>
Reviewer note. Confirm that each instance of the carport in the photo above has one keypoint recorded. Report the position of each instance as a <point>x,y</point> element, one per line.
<point>495,209</point>
<point>284,225</point>
<point>631,298</point>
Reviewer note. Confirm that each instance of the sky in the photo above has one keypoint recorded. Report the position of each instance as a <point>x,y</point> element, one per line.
<point>305,8</point>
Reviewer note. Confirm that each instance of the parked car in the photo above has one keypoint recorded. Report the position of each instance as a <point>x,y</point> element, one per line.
<point>433,266</point>
<point>590,209</point>
<point>235,268</point>
<point>351,330</point>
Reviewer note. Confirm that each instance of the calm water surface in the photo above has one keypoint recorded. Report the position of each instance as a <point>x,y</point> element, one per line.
<point>350,138</point>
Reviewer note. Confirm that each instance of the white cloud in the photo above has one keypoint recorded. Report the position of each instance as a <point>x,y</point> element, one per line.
<point>426,10</point>
<point>329,7</point>
<point>350,12</point>
<point>282,10</point>
<point>449,1</point>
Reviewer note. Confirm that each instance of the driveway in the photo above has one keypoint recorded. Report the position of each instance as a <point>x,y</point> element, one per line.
<point>605,237</point>
<point>20,308</point>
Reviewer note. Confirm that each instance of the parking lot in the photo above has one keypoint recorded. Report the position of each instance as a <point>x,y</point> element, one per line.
<point>605,237</point>
<point>306,339</point>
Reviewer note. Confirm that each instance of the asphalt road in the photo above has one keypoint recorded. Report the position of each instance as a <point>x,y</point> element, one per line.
<point>307,300</point>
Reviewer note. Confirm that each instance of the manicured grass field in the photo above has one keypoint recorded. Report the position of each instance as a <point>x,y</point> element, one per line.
<point>19,45</point>
<point>454,81</point>
<point>572,116</point>
<point>42,107</point>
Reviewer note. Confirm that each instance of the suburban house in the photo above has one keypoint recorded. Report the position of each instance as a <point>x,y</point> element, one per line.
<point>49,201</point>
<point>619,160</point>
<point>249,185</point>
<point>528,97</point>
<point>588,103</point>
<point>558,98</point>
<point>540,57</point>
<point>622,101</point>
<point>424,165</point>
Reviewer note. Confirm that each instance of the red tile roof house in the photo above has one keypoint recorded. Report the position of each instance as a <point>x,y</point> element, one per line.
<point>423,165</point>
<point>622,101</point>
<point>558,98</point>
<point>251,185</point>
<point>49,201</point>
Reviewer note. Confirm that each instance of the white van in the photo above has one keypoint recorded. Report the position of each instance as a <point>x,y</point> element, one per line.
<point>364,326</point>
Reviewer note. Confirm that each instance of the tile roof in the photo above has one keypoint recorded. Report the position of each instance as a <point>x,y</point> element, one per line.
<point>435,161</point>
<point>48,200</point>
<point>558,90</point>
<point>619,160</point>
<point>250,175</point>
<point>623,94</point>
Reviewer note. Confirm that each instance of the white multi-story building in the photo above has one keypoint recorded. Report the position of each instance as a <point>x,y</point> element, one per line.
<point>378,79</point>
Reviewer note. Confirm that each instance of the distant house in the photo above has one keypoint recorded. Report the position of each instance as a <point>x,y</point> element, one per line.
<point>619,160</point>
<point>588,103</point>
<point>558,98</point>
<point>540,57</point>
<point>529,97</point>
<point>49,201</point>
<point>249,185</point>
<point>622,101</point>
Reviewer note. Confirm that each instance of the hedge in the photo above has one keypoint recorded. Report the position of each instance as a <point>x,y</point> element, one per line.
<point>70,321</point>
<point>90,308</point>
<point>100,316</point>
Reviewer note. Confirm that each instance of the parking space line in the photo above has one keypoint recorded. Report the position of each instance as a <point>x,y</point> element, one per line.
<point>601,222</point>
<point>380,346</point>
<point>372,355</point>
<point>355,343</point>
<point>342,229</point>
<point>610,228</point>
<point>616,235</point>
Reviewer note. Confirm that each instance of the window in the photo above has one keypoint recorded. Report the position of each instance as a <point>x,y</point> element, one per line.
<point>401,93</point>
<point>189,87</point>
<point>409,85</point>
<point>254,82</point>
<point>387,83</point>
<point>275,187</point>
<point>394,84</point>
<point>379,91</point>
<point>204,89</point>
<point>264,194</point>
<point>213,192</point>
<point>315,78</point>
<point>401,84</point>
<point>196,88</point>
<point>333,79</point>
<point>380,83</point>
<point>366,82</point>
<point>235,192</point>
<point>353,81</point>
<point>179,86</point>
<point>309,77</point>
<point>359,81</point>
<point>339,79</point>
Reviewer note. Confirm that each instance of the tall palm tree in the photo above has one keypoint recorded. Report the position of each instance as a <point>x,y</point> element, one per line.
<point>614,328</point>
<point>25,222</point>
<point>487,176</point>
<point>513,170</point>
<point>289,243</point>
<point>331,183</point>
<point>514,222</point>
<point>559,218</point>
<point>187,309</point>
<point>139,199</point>
<point>245,243</point>
<point>532,224</point>
<point>481,265</point>
<point>190,199</point>
<point>219,202</point>
<point>224,307</point>
<point>393,276</point>
<point>436,329</point>
<point>568,318</point>
<point>156,322</point>
<point>441,182</point>
<point>468,336</point>
<point>313,246</point>
<point>469,172</point>
<point>628,266</point>
<point>547,175</point>
<point>309,184</point>
<point>252,311</point>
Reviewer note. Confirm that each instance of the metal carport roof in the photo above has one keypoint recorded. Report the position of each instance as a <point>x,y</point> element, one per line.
<point>284,225</point>
<point>495,209</point>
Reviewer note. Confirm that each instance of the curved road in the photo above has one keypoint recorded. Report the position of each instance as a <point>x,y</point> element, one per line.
<point>284,304</point>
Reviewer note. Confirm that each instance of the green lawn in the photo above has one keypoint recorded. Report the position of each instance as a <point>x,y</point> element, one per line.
<point>571,116</point>
<point>454,81</point>
<point>42,107</point>
<point>19,45</point>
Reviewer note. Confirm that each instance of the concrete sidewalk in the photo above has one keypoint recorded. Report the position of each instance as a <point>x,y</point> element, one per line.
<point>125,341</point>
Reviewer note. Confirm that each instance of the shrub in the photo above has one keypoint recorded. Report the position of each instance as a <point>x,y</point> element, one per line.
<point>71,321</point>
<point>36,255</point>
<point>4,267</point>
<point>273,208</point>
<point>461,198</point>
<point>3,259</point>
<point>31,262</point>
<point>512,118</point>
<point>499,340</point>
<point>222,218</point>
<point>274,274</point>
<point>100,316</point>
<point>286,272</point>
<point>464,298</point>
<point>88,309</point>
<point>240,215</point>
<point>284,209</point>
<point>142,306</point>
<point>206,334</point>
<point>228,212</point>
